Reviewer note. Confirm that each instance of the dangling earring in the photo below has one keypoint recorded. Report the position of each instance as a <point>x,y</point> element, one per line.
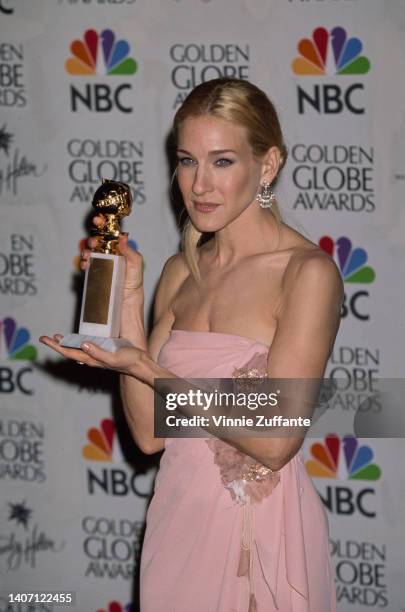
<point>266,195</point>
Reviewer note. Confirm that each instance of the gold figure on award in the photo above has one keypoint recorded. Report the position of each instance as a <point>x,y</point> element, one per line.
<point>104,280</point>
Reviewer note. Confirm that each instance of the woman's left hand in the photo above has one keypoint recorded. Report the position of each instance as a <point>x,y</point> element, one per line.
<point>127,360</point>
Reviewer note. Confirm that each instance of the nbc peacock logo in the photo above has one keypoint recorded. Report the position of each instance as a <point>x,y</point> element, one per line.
<point>351,261</point>
<point>330,53</point>
<point>100,442</point>
<point>110,479</point>
<point>14,342</point>
<point>100,54</point>
<point>342,458</point>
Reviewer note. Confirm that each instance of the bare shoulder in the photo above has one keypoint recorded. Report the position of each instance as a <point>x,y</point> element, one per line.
<point>174,273</point>
<point>313,263</point>
<point>172,277</point>
<point>312,272</point>
<point>308,264</point>
<point>175,269</point>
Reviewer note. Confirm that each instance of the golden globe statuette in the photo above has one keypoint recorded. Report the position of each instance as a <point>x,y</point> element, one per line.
<point>104,280</point>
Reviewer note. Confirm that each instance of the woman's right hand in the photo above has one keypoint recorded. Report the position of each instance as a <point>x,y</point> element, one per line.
<point>134,270</point>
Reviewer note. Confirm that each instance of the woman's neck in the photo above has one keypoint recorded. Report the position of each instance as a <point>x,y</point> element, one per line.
<point>256,233</point>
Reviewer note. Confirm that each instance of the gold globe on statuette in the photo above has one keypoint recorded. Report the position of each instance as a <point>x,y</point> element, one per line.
<point>105,275</point>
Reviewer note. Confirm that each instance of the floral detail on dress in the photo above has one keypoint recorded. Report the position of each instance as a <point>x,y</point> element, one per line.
<point>252,374</point>
<point>246,479</point>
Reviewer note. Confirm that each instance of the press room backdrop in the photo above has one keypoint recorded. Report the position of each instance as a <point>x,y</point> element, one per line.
<point>88,89</point>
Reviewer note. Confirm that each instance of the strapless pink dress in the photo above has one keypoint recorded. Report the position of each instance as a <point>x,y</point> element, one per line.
<point>194,528</point>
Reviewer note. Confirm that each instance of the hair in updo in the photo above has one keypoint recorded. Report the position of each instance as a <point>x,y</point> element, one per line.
<point>244,104</point>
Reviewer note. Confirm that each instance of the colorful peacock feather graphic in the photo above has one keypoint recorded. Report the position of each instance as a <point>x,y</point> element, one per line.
<point>14,341</point>
<point>115,606</point>
<point>100,447</point>
<point>100,54</point>
<point>351,261</point>
<point>344,459</point>
<point>330,53</point>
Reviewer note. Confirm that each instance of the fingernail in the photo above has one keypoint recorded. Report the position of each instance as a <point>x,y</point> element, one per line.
<point>85,346</point>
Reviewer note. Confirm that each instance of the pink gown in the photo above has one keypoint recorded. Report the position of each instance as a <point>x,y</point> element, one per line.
<point>192,543</point>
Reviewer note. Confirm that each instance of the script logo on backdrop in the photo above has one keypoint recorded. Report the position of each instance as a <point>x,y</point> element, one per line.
<point>106,478</point>
<point>12,81</point>
<point>111,546</point>
<point>345,459</point>
<point>101,54</point>
<point>22,451</point>
<point>360,572</point>
<point>333,177</point>
<point>331,53</point>
<point>26,546</point>
<point>352,266</point>
<point>197,63</point>
<point>92,160</point>
<point>13,165</point>
<point>17,275</point>
<point>15,347</point>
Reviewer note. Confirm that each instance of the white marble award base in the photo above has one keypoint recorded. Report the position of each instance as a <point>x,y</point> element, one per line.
<point>108,344</point>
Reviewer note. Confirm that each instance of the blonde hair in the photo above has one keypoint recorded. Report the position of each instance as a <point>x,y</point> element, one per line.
<point>246,105</point>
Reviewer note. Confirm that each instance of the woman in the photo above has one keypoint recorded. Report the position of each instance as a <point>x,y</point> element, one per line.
<point>253,290</point>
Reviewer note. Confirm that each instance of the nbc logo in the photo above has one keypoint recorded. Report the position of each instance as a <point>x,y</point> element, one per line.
<point>111,480</point>
<point>100,54</point>
<point>330,53</point>
<point>15,347</point>
<point>100,442</point>
<point>345,459</point>
<point>353,269</point>
<point>115,606</point>
<point>14,342</point>
<point>351,261</point>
